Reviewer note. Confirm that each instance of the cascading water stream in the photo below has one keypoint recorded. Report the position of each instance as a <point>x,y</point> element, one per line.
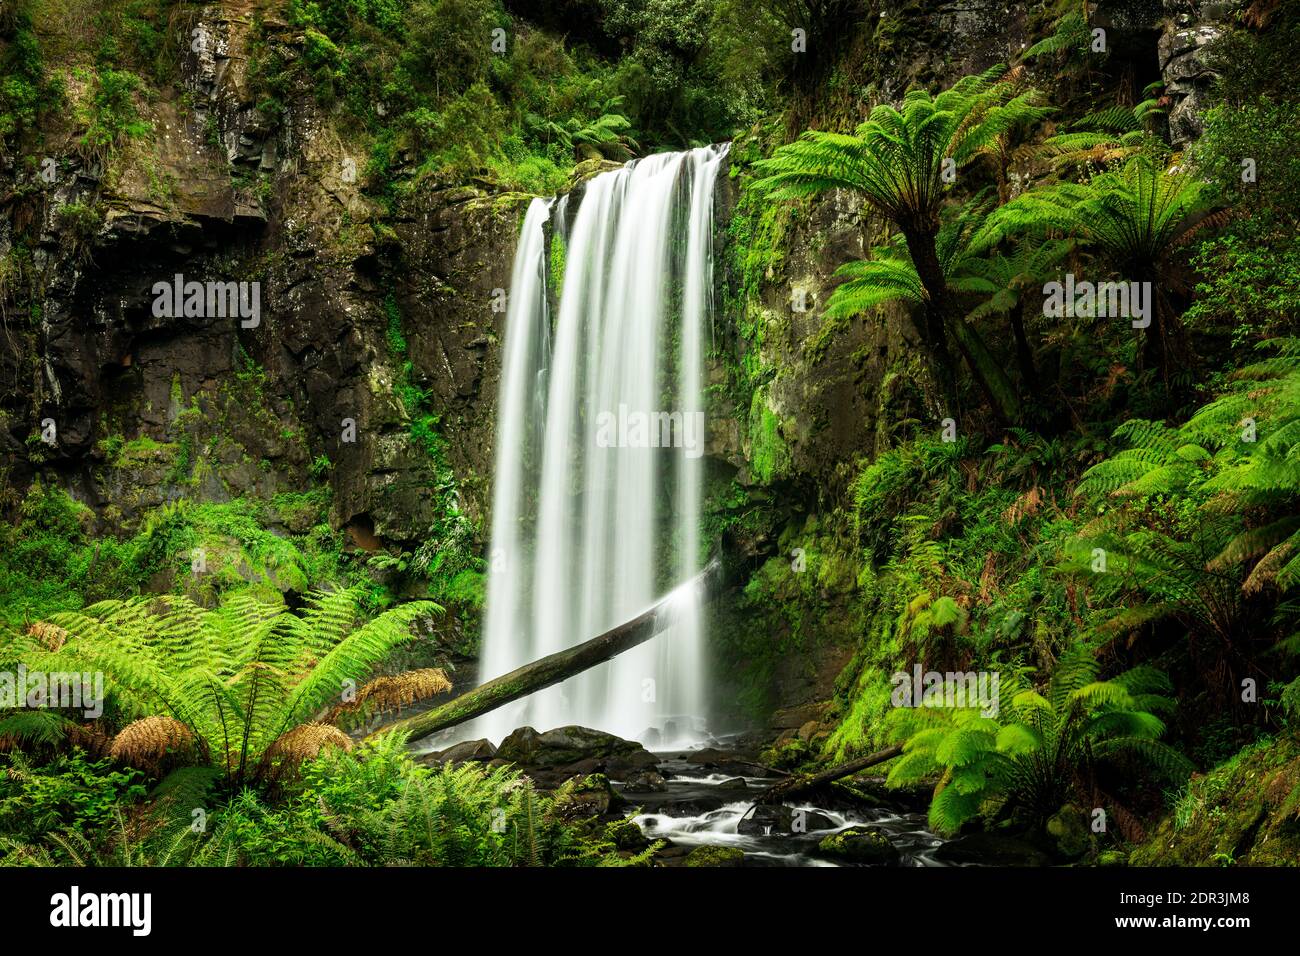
<point>596,503</point>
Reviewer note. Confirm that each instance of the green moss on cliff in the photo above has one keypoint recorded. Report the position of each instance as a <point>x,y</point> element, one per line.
<point>769,455</point>
<point>1244,812</point>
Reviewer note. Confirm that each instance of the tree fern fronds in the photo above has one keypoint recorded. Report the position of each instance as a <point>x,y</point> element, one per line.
<point>147,741</point>
<point>32,726</point>
<point>353,656</point>
<point>1256,542</point>
<point>1160,756</point>
<point>1071,35</point>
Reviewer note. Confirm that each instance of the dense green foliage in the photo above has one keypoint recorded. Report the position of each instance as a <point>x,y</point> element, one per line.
<point>1102,514</point>
<point>1123,555</point>
<point>374,806</point>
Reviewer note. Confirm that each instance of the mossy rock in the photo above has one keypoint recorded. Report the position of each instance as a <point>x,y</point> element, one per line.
<point>1243,812</point>
<point>1069,828</point>
<point>715,856</point>
<point>861,845</point>
<point>626,835</point>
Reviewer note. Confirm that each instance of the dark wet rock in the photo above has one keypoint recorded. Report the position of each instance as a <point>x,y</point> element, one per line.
<point>765,820</point>
<point>458,753</point>
<point>1069,828</point>
<point>696,806</point>
<point>626,835</point>
<point>863,845</point>
<point>590,796</point>
<point>733,783</point>
<point>726,761</point>
<point>715,856</point>
<point>627,763</point>
<point>645,781</point>
<point>711,757</point>
<point>991,849</point>
<point>674,854</point>
<point>569,745</point>
<point>582,767</point>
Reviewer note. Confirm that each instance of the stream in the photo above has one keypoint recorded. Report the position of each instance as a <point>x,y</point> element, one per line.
<point>703,806</point>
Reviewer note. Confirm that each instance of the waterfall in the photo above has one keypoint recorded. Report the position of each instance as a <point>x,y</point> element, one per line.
<point>596,499</point>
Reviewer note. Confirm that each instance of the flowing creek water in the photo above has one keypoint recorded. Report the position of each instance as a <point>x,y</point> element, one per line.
<point>705,807</point>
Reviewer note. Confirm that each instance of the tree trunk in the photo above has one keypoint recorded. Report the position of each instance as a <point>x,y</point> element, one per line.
<point>920,246</point>
<point>988,372</point>
<point>557,667</point>
<point>1024,354</point>
<point>793,787</point>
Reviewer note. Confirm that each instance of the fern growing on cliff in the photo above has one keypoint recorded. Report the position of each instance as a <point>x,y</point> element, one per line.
<point>1110,135</point>
<point>1136,218</point>
<point>902,161</point>
<point>1235,460</point>
<point>1042,749</point>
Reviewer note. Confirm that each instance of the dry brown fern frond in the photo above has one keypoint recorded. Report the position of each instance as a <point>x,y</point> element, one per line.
<point>145,742</point>
<point>90,738</point>
<point>1024,506</point>
<point>394,692</point>
<point>305,742</point>
<point>1259,13</point>
<point>51,636</point>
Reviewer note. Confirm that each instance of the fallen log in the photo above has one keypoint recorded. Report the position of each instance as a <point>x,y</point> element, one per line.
<point>554,668</point>
<point>797,786</point>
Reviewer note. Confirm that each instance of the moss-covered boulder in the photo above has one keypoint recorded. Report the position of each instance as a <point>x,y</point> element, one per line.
<point>1068,827</point>
<point>715,856</point>
<point>568,745</point>
<point>861,845</point>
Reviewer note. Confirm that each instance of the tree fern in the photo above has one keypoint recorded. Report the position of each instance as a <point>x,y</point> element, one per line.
<point>1044,746</point>
<point>1135,218</point>
<point>239,677</point>
<point>898,161</point>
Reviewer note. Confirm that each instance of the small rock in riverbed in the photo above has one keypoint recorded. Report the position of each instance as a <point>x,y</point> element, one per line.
<point>588,797</point>
<point>457,753</point>
<point>764,820</point>
<point>645,781</point>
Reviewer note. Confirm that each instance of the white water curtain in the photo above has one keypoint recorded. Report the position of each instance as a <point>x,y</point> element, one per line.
<point>586,536</point>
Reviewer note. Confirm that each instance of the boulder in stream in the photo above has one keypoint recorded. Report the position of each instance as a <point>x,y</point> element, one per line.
<point>570,745</point>
<point>763,820</point>
<point>645,781</point>
<point>991,849</point>
<point>862,845</point>
<point>715,856</point>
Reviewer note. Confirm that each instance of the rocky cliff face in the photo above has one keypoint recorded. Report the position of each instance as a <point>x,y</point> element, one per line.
<point>150,408</point>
